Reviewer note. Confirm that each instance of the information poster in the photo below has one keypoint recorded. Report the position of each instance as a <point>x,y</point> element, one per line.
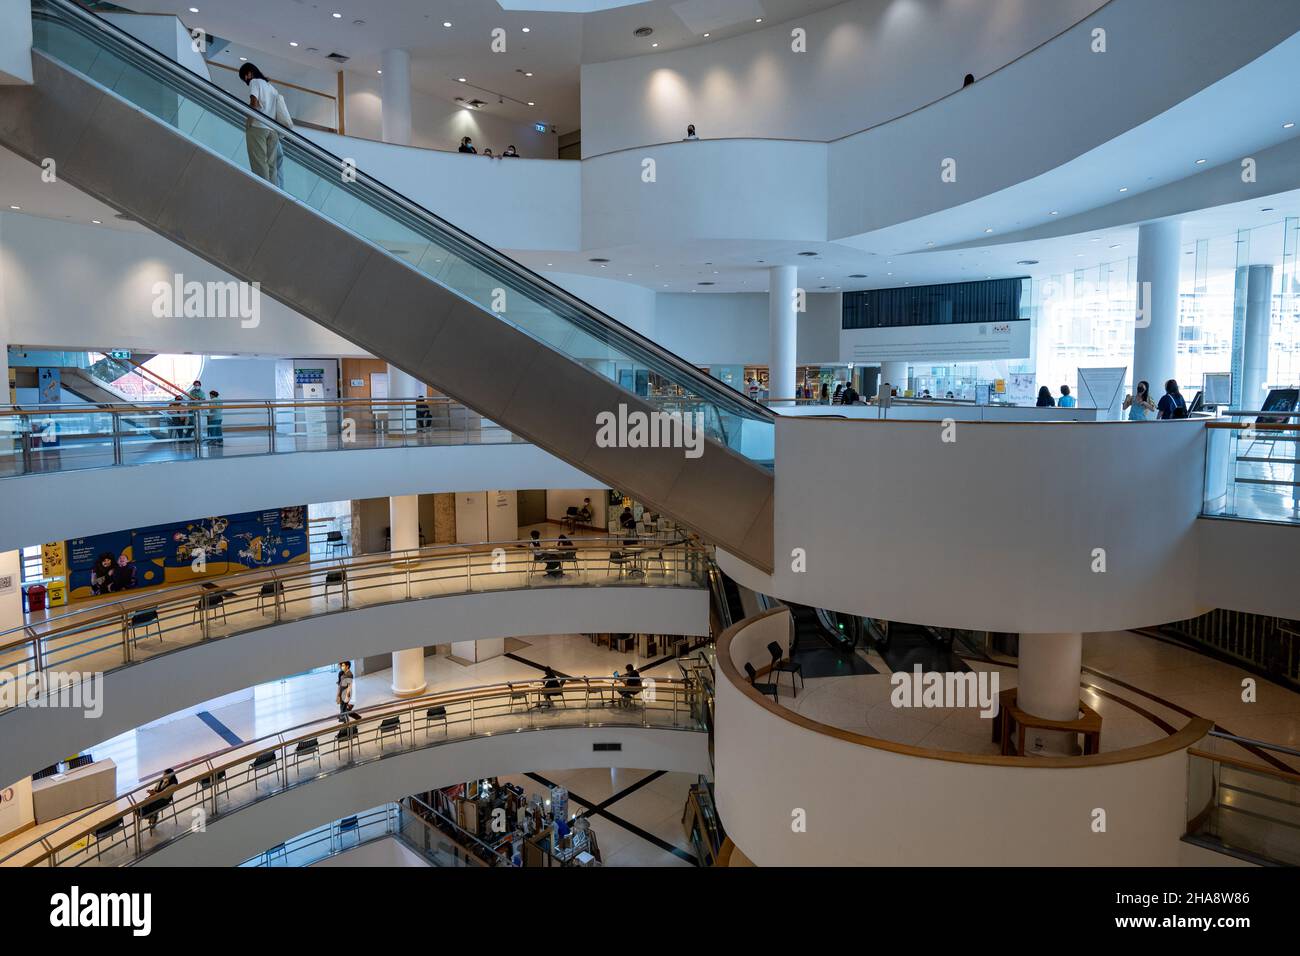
<point>184,551</point>
<point>1103,389</point>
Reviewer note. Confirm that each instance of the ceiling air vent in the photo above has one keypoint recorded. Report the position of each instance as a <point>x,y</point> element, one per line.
<point>643,32</point>
<point>338,57</point>
<point>858,275</point>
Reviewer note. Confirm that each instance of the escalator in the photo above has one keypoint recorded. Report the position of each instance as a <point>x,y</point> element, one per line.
<point>166,147</point>
<point>820,646</point>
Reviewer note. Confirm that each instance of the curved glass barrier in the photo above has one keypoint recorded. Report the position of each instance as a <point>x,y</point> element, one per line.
<point>1252,466</point>
<point>149,817</point>
<point>211,117</point>
<point>46,655</point>
<point>40,439</point>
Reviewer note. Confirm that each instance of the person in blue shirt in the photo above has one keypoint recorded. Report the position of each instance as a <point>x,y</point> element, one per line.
<point>1139,404</point>
<point>1067,400</point>
<point>1171,403</point>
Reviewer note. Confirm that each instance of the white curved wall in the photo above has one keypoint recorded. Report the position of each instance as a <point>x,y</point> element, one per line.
<point>69,504</point>
<point>914,811</point>
<point>135,695</point>
<point>867,61</point>
<point>235,837</point>
<point>995,530</point>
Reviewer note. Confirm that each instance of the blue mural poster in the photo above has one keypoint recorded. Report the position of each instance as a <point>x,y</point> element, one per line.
<point>183,551</point>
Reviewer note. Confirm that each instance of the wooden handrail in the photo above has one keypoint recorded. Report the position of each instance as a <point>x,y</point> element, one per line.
<point>1195,729</point>
<point>1246,765</point>
<point>141,796</point>
<point>187,406</point>
<point>115,611</point>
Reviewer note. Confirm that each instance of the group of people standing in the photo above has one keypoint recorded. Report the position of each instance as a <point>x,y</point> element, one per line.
<point>185,425</point>
<point>467,146</point>
<point>1138,406</point>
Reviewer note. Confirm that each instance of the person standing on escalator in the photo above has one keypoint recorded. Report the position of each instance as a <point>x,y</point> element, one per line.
<point>264,155</point>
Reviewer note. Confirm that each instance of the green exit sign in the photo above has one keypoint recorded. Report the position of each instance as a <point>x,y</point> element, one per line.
<point>121,354</point>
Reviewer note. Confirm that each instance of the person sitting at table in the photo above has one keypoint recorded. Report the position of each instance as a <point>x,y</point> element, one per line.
<point>568,551</point>
<point>153,808</point>
<point>551,688</point>
<point>631,685</point>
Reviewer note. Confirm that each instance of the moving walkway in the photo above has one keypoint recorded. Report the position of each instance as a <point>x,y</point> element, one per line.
<point>166,147</point>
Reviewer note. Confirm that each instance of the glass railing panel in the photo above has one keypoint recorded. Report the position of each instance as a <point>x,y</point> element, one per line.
<point>1252,466</point>
<point>451,258</point>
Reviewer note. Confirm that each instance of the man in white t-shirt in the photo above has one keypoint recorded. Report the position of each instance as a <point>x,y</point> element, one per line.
<point>264,156</point>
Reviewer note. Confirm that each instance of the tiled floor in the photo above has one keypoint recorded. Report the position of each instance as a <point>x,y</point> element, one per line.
<point>1138,684</point>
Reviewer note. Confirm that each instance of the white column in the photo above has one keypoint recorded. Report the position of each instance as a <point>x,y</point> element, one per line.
<point>400,385</point>
<point>1048,686</point>
<point>782,322</point>
<point>1254,364</point>
<point>396,93</point>
<point>895,373</point>
<point>404,526</point>
<point>1155,340</point>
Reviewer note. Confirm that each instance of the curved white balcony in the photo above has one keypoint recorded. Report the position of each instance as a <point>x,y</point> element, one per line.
<point>924,807</point>
<point>159,653</point>
<point>257,794</point>
<point>52,460</point>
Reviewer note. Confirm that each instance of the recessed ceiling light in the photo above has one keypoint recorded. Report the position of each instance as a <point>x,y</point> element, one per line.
<point>929,243</point>
<point>1123,189</point>
<point>447,24</point>
<point>293,43</point>
<point>96,222</point>
<point>1200,162</point>
<point>194,9</point>
<point>527,29</point>
<point>460,79</point>
<point>989,229</point>
<point>1287,125</point>
<point>243,59</point>
<point>758,19</point>
<point>654,44</point>
<point>527,73</point>
<point>15,207</point>
<point>706,36</point>
<point>531,103</point>
<point>1053,213</point>
<point>337,16</point>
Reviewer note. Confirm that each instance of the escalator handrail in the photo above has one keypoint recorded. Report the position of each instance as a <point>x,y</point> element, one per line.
<point>209,94</point>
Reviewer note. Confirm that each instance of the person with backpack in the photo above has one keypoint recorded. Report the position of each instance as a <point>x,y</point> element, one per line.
<point>265,156</point>
<point>343,690</point>
<point>1171,403</point>
<point>849,396</point>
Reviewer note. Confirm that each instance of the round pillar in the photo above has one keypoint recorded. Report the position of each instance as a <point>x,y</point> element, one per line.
<point>1259,303</point>
<point>1155,338</point>
<point>895,373</point>
<point>783,327</point>
<point>404,528</point>
<point>1048,686</point>
<point>396,98</point>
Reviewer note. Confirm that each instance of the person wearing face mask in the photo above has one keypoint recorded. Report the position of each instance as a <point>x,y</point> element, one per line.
<point>1139,404</point>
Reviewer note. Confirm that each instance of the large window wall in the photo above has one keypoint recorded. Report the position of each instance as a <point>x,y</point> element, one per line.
<point>1085,318</point>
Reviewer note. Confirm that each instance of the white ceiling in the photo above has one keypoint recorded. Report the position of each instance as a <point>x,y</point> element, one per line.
<point>553,50</point>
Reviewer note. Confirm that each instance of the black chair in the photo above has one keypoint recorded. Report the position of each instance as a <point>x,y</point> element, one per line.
<point>571,517</point>
<point>349,825</point>
<point>306,750</point>
<point>335,578</point>
<point>144,619</point>
<point>273,590</point>
<point>262,764</point>
<point>551,692</point>
<point>767,689</point>
<point>387,727</point>
<point>217,779</point>
<point>105,835</point>
<point>779,666</point>
<point>334,542</point>
<point>209,602</point>
<point>432,714</point>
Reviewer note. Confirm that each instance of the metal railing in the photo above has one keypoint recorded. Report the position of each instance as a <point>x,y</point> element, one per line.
<point>108,636</point>
<point>37,439</point>
<point>1242,799</point>
<point>1252,466</point>
<point>151,817</point>
<point>332,839</point>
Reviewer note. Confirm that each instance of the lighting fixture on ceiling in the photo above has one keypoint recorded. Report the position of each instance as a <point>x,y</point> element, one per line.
<point>337,16</point>
<point>758,19</point>
<point>1053,213</point>
<point>1287,125</point>
<point>293,43</point>
<point>526,29</point>
<point>706,36</point>
<point>531,103</point>
<point>807,253</point>
<point>1116,246</point>
<point>1266,209</point>
<point>1123,189</point>
<point>858,275</point>
<point>96,222</point>
<point>194,9</point>
<point>654,44</point>
<point>1026,262</point>
<point>460,79</point>
<point>643,32</point>
<point>1200,162</point>
<point>15,207</point>
<point>988,230</point>
<point>598,259</point>
<point>447,24</point>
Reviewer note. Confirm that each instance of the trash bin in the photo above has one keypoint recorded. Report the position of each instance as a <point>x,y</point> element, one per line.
<point>35,597</point>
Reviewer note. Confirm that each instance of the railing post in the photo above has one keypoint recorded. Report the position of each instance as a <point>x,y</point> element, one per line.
<point>277,595</point>
<point>471,716</point>
<point>270,427</point>
<point>408,580</point>
<point>344,571</point>
<point>117,438</point>
<point>203,614</point>
<point>126,637</point>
